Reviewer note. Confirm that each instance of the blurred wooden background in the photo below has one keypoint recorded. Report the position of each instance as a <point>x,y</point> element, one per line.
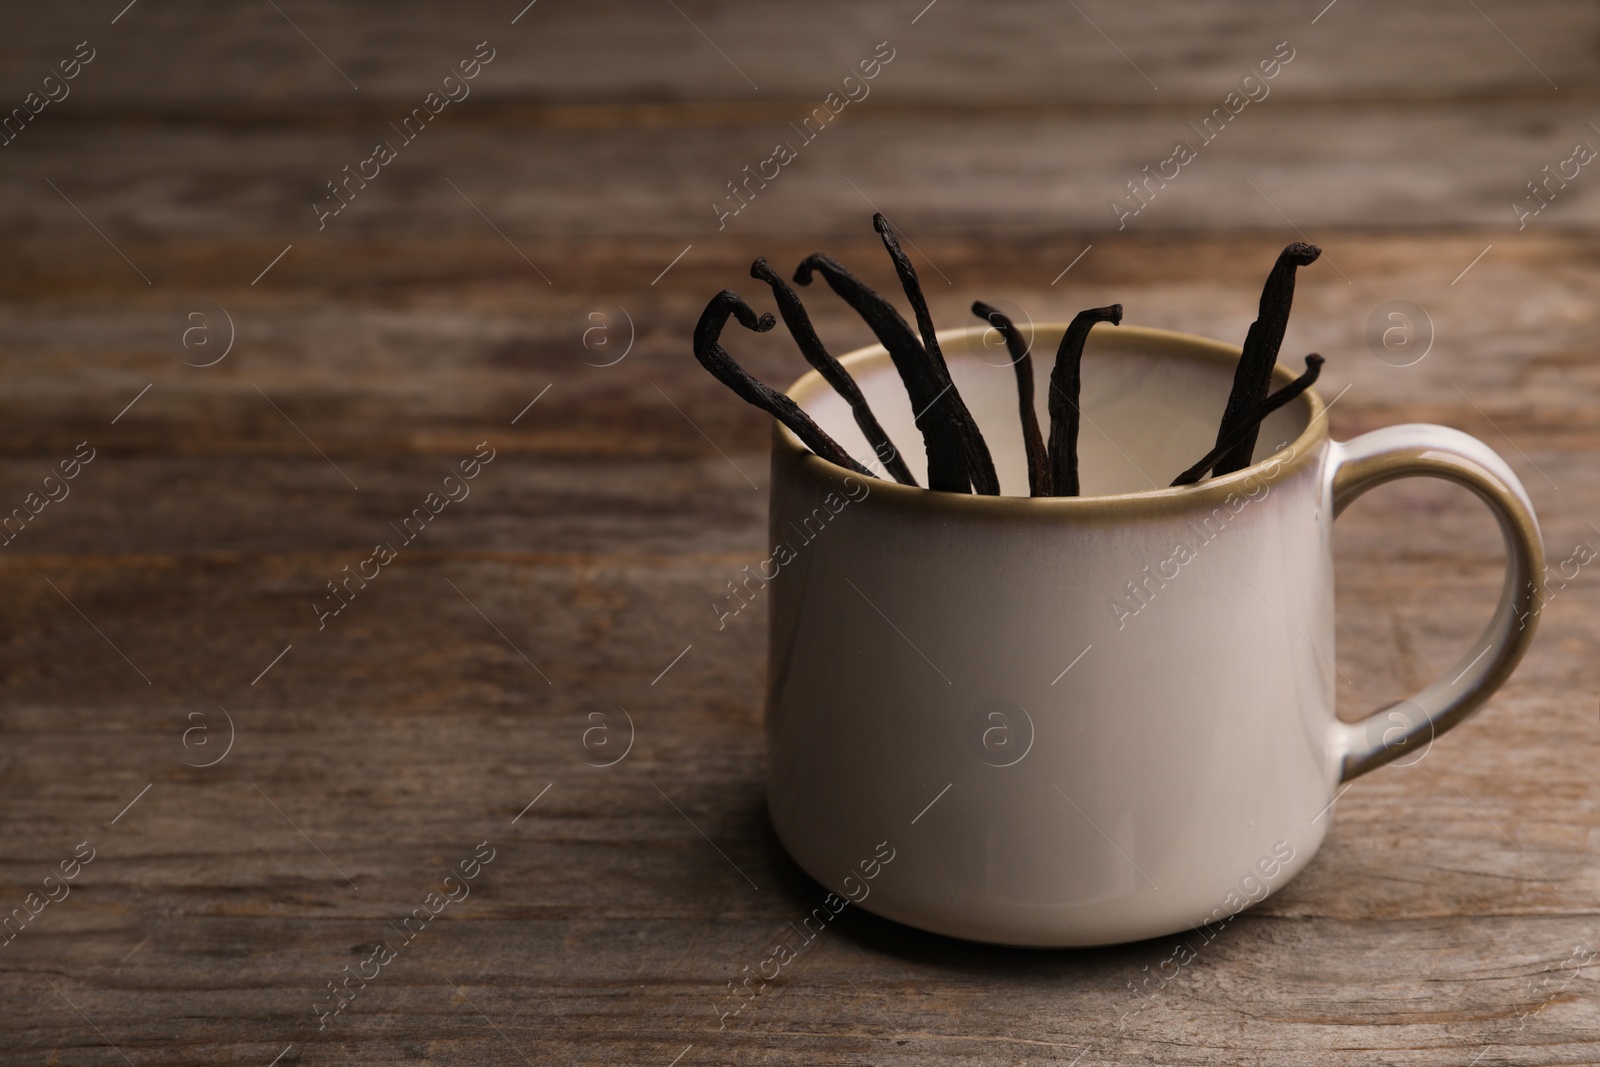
<point>562,215</point>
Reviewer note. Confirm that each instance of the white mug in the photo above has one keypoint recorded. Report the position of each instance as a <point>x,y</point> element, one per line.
<point>1087,720</point>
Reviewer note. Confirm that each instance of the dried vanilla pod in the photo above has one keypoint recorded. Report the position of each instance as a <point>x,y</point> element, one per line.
<point>930,398</point>
<point>805,336</point>
<point>726,370</point>
<point>1022,363</point>
<point>1251,423</point>
<point>1066,379</point>
<point>980,465</point>
<point>1253,376</point>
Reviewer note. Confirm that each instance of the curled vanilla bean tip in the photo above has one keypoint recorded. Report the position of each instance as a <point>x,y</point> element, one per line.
<point>1066,380</point>
<point>811,346</point>
<point>1022,362</point>
<point>930,395</point>
<point>980,464</point>
<point>723,367</point>
<point>1253,376</point>
<point>1252,421</point>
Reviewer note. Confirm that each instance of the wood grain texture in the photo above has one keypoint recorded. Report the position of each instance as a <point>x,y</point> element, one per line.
<point>548,186</point>
<point>371,755</point>
<point>183,57</point>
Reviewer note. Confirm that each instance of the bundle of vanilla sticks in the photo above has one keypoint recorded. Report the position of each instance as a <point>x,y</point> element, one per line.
<point>958,459</point>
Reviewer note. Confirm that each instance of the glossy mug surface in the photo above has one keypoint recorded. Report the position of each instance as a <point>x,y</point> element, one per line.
<point>1079,721</point>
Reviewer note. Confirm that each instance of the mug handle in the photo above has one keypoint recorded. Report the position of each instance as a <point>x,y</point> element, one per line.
<point>1418,449</point>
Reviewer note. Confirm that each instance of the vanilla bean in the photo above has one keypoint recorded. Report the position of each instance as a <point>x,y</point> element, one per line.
<point>930,396</point>
<point>1022,362</point>
<point>1253,376</point>
<point>723,367</point>
<point>1066,380</point>
<point>1251,423</point>
<point>980,465</point>
<point>805,335</point>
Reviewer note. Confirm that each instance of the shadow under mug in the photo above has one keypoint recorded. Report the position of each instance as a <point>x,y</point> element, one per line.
<point>1081,721</point>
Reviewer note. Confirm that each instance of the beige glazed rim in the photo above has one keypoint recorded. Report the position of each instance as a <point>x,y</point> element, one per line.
<point>1299,453</point>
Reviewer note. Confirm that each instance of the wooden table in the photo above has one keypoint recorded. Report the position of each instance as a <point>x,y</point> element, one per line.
<point>266,799</point>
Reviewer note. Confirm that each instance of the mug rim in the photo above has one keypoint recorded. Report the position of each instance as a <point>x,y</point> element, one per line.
<point>1294,456</point>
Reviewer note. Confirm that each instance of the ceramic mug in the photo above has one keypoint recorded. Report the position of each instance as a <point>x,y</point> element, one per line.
<point>1079,721</point>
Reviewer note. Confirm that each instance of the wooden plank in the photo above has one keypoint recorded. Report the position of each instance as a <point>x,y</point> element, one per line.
<point>182,58</point>
<point>937,174</point>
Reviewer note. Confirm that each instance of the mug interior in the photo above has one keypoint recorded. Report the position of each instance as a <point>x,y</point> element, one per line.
<point>1151,403</point>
